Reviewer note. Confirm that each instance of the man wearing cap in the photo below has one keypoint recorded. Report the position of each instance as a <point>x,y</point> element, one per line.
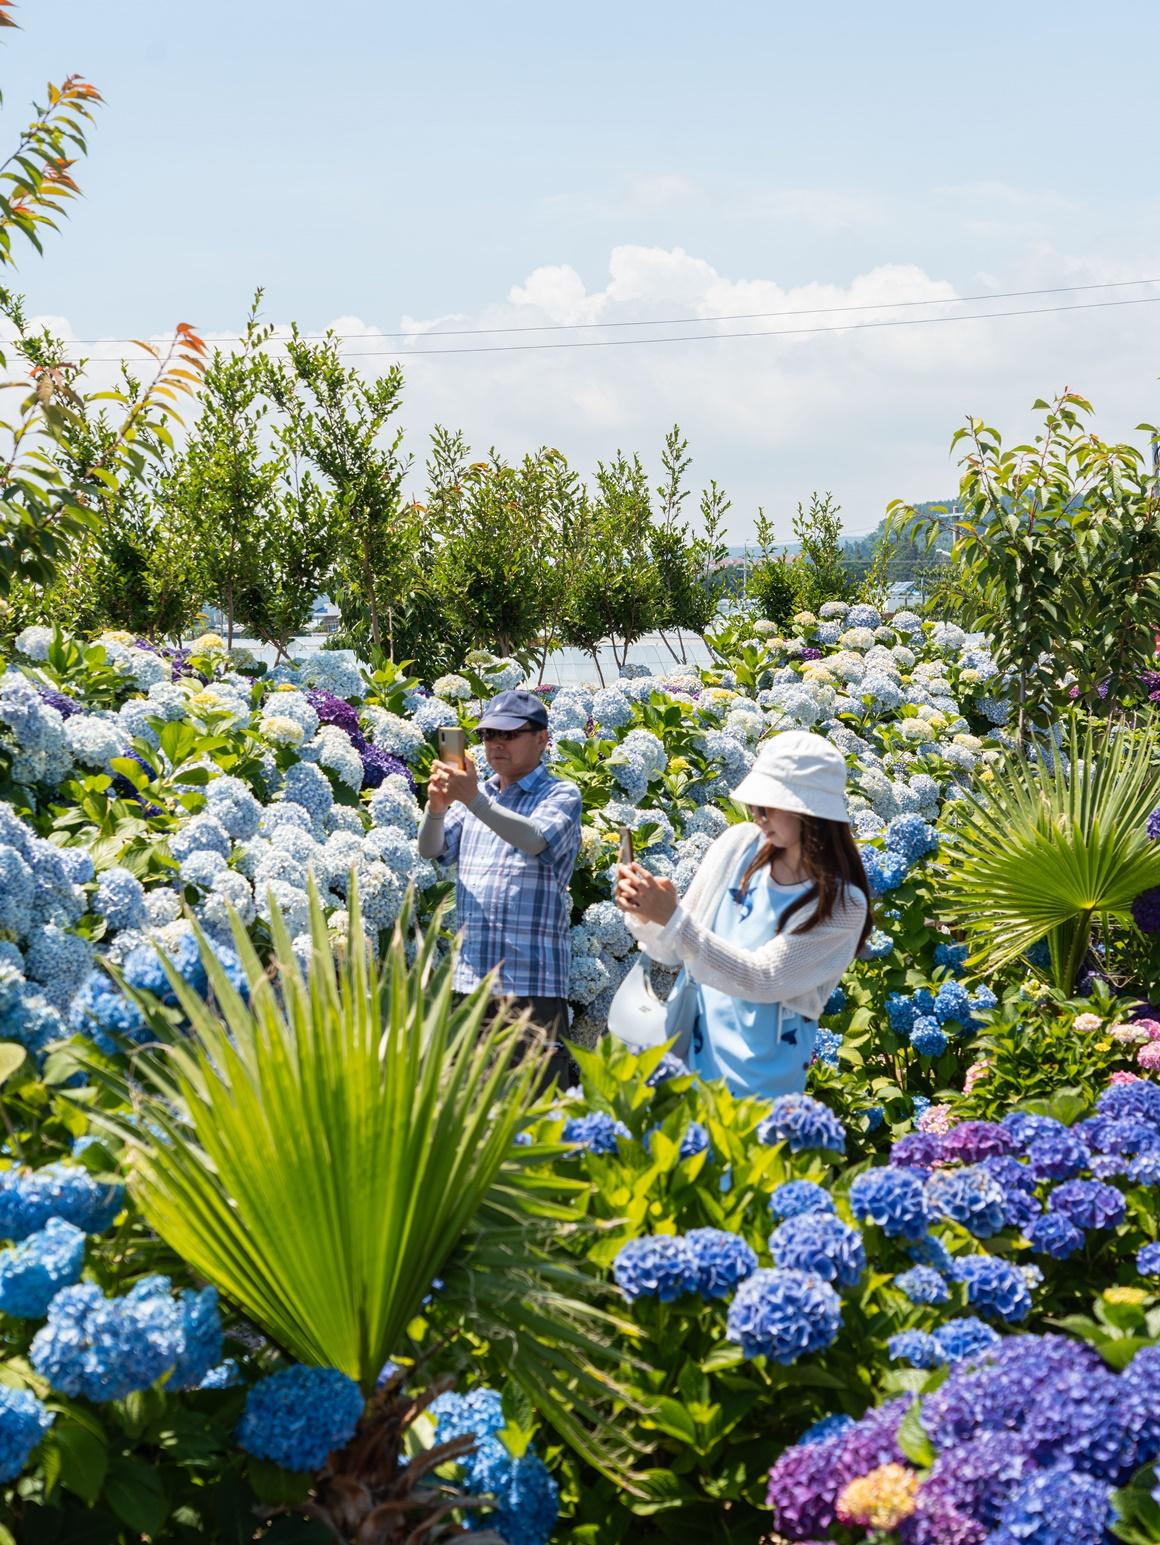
<point>515,840</point>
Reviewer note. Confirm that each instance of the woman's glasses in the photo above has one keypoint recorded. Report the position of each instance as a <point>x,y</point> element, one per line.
<point>486,735</point>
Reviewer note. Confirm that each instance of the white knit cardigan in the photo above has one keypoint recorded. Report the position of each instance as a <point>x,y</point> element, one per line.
<point>797,970</point>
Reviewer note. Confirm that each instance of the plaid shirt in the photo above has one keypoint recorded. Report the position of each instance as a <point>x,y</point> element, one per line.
<point>513,908</point>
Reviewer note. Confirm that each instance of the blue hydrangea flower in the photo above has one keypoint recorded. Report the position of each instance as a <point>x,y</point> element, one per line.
<point>1144,1169</point>
<point>596,1130</point>
<point>1148,1260</point>
<point>479,1412</point>
<point>836,1002</point>
<point>950,957</point>
<point>695,1140</point>
<point>723,1260</point>
<point>892,1198</point>
<point>34,1271</point>
<point>827,1045</point>
<point>1021,1208</point>
<point>965,1337</point>
<point>927,1036</point>
<point>783,1315</point>
<point>911,838</point>
<point>298,1416</point>
<point>1058,1506</point>
<point>901,1011</point>
<point>227,1375</point>
<point>923,1285</point>
<point>29,1198</point>
<point>793,1197</point>
<point>201,1338</point>
<point>826,1427</point>
<point>884,871</point>
<point>969,1196</point>
<point>120,899</point>
<point>994,1286</point>
<point>24,1420</point>
<point>803,1123</point>
<point>106,1348</point>
<point>1139,1101</point>
<point>952,1001</point>
<point>1057,1155</point>
<point>662,1266</point>
<point>916,1347</point>
<point>527,1501</point>
<point>821,1243</point>
<point>668,1067</point>
<point>1088,1203</point>
<point>983,1000</point>
<point>1053,1234</point>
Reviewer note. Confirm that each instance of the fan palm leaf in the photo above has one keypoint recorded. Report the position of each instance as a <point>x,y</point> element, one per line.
<point>1039,851</point>
<point>327,1145</point>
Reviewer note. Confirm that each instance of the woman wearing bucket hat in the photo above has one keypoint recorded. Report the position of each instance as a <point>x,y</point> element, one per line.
<point>777,911</point>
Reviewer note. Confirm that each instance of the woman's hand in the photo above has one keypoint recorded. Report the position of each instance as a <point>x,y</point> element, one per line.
<point>642,894</point>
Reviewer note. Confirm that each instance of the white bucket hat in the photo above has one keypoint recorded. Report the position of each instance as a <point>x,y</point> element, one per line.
<point>797,771</point>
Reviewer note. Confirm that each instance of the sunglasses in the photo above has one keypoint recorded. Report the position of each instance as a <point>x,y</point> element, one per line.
<point>486,735</point>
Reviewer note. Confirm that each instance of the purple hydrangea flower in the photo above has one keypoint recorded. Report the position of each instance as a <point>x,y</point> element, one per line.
<point>1088,1203</point>
<point>972,1141</point>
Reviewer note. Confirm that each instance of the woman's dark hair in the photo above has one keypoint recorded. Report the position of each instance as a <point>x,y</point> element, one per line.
<point>832,863</point>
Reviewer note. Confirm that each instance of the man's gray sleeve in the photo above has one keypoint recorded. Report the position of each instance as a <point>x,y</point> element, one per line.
<point>431,836</point>
<point>518,830</point>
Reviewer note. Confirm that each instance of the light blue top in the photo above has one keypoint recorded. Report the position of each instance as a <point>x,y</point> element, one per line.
<point>757,1048</point>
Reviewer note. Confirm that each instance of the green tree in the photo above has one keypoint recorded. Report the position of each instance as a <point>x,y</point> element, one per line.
<point>132,568</point>
<point>220,490</point>
<point>685,560</point>
<point>502,533</point>
<point>615,595</point>
<point>380,537</point>
<point>52,492</point>
<point>775,579</point>
<point>1056,556</point>
<point>822,572</point>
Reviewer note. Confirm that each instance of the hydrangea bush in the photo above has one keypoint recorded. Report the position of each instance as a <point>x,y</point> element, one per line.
<point>973,1164</point>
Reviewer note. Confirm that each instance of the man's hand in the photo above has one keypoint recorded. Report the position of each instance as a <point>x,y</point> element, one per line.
<point>450,783</point>
<point>642,894</point>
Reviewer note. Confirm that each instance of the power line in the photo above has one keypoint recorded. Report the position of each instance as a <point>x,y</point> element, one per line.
<point>740,316</point>
<point>785,332</point>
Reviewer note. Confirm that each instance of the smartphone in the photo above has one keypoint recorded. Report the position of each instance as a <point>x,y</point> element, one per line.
<point>453,746</point>
<point>625,854</point>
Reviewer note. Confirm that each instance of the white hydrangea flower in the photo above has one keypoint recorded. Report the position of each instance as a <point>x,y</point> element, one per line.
<point>34,643</point>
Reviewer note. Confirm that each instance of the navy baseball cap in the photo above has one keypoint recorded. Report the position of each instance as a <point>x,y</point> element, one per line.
<point>514,711</point>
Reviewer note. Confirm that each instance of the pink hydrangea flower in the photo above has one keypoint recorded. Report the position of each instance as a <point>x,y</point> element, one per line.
<point>1124,1078</point>
<point>1150,1027</point>
<point>937,1119</point>
<point>1149,1057</point>
<point>1086,1024</point>
<point>975,1074</point>
<point>1130,1035</point>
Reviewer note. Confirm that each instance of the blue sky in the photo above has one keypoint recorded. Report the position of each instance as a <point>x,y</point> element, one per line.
<point>517,164</point>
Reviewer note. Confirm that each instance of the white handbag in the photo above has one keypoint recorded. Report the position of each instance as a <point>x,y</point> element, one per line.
<point>641,1019</point>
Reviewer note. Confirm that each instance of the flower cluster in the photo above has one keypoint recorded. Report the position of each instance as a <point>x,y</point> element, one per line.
<point>298,1416</point>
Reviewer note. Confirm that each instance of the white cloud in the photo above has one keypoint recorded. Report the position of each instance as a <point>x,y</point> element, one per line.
<point>644,194</point>
<point>864,411</point>
<point>821,209</point>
